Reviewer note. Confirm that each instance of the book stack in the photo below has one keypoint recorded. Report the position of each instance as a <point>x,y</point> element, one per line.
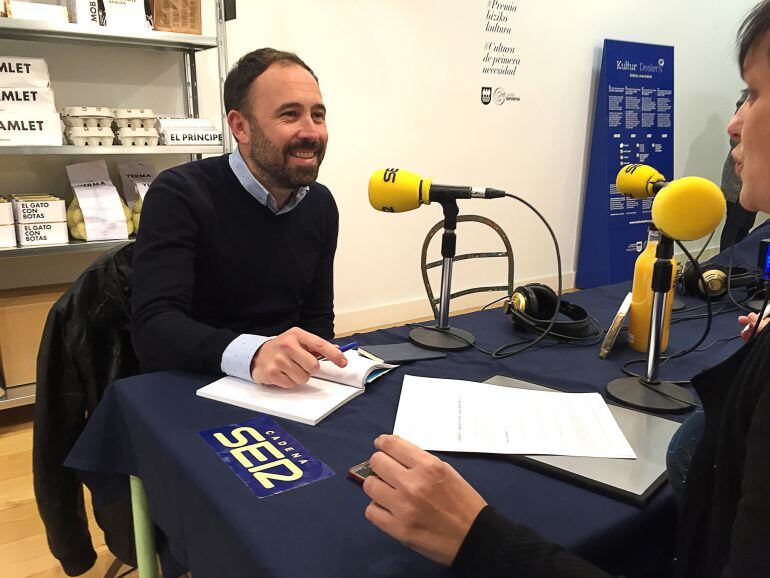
<point>7,231</point>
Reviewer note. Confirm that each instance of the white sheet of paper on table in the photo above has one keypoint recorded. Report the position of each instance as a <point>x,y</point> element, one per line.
<point>464,416</point>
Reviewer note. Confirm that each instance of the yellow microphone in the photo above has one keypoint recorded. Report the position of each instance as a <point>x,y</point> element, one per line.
<point>639,181</point>
<point>398,190</point>
<point>688,208</point>
<point>685,209</point>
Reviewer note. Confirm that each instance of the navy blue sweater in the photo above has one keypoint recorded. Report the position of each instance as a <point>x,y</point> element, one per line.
<point>211,262</point>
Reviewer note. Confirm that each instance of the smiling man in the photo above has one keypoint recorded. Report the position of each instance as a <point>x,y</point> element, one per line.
<point>234,258</point>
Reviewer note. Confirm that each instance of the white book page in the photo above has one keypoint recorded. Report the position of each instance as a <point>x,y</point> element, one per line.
<point>463,416</point>
<point>353,374</point>
<point>308,403</point>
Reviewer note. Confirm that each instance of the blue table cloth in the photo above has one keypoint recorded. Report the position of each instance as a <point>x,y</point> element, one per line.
<point>212,524</point>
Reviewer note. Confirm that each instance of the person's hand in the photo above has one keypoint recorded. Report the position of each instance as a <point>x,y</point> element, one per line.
<point>292,357</point>
<point>420,500</point>
<point>748,322</point>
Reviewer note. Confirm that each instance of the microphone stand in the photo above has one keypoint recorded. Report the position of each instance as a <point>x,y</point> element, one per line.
<point>441,336</point>
<point>649,393</point>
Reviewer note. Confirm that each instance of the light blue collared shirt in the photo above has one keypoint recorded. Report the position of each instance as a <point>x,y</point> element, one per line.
<point>236,358</point>
<point>255,188</point>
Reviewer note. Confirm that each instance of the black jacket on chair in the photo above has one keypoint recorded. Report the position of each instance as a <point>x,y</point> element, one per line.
<point>86,345</point>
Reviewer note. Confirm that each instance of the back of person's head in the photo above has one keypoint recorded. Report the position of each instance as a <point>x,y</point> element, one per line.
<point>753,31</point>
<point>248,69</point>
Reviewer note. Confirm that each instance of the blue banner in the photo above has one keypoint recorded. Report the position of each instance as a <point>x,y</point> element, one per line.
<point>633,123</point>
<point>265,456</point>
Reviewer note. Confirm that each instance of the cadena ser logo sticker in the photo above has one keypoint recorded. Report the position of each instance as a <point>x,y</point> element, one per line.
<point>265,457</point>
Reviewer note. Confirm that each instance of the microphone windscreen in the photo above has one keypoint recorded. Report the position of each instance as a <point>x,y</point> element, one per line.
<point>637,180</point>
<point>397,190</point>
<point>688,208</point>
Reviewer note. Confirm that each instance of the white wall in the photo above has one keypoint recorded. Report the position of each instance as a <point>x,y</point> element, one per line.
<point>402,78</point>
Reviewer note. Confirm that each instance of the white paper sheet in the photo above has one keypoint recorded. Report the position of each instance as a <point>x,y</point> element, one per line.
<point>464,416</point>
<point>135,178</point>
<point>99,200</point>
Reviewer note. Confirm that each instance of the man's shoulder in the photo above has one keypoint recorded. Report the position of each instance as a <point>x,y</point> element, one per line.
<point>194,182</point>
<point>322,195</point>
<point>208,168</point>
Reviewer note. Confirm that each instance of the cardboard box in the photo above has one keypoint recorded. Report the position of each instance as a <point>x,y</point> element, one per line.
<point>20,71</point>
<point>182,136</point>
<point>30,128</point>
<point>6,212</point>
<point>22,317</point>
<point>31,234</point>
<point>7,236</point>
<point>125,14</point>
<point>39,209</point>
<point>35,11</point>
<point>85,12</point>
<point>27,98</point>
<point>182,16</point>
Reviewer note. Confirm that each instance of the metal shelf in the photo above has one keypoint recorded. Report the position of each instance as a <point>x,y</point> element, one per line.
<point>35,30</point>
<point>110,150</point>
<point>18,396</point>
<point>71,247</point>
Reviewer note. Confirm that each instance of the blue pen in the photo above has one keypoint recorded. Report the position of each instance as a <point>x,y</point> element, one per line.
<point>343,348</point>
<point>351,345</point>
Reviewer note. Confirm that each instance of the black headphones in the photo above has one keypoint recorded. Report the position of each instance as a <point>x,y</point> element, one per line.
<point>715,277</point>
<point>532,306</point>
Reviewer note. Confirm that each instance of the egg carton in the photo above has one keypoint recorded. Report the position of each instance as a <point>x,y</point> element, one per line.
<point>134,118</point>
<point>138,136</point>
<point>90,136</point>
<point>87,116</point>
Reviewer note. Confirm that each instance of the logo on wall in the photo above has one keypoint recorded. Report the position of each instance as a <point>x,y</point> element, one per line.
<point>486,94</point>
<point>500,96</point>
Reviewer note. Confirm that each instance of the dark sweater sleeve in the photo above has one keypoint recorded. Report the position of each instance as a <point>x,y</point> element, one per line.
<point>750,537</point>
<point>497,547</point>
<point>164,334</point>
<point>317,312</point>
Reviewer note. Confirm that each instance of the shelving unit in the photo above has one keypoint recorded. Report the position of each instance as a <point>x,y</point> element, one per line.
<point>18,396</point>
<point>185,44</point>
<point>74,246</point>
<point>111,150</point>
<point>17,29</point>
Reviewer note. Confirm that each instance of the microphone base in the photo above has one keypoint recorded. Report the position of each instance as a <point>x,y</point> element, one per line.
<point>660,397</point>
<point>755,305</point>
<point>450,339</point>
<point>678,305</point>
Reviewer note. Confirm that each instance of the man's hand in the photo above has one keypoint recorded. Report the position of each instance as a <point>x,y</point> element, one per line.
<point>420,500</point>
<point>748,321</point>
<point>292,357</point>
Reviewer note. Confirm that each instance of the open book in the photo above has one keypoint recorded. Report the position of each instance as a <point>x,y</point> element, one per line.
<point>329,388</point>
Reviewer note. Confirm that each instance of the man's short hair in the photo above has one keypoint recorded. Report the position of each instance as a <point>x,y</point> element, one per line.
<point>753,30</point>
<point>248,68</point>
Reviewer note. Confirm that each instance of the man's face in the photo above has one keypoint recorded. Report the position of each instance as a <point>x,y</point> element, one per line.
<point>286,127</point>
<point>750,127</point>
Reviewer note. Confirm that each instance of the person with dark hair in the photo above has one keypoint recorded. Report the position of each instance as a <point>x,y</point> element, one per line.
<point>724,521</point>
<point>738,221</point>
<point>234,258</point>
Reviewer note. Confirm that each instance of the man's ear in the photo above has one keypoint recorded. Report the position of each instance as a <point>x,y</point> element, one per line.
<point>239,126</point>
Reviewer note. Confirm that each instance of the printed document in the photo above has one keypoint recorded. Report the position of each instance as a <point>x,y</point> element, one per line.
<point>464,416</point>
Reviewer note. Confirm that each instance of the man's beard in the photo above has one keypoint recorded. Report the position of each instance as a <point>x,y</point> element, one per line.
<point>273,163</point>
